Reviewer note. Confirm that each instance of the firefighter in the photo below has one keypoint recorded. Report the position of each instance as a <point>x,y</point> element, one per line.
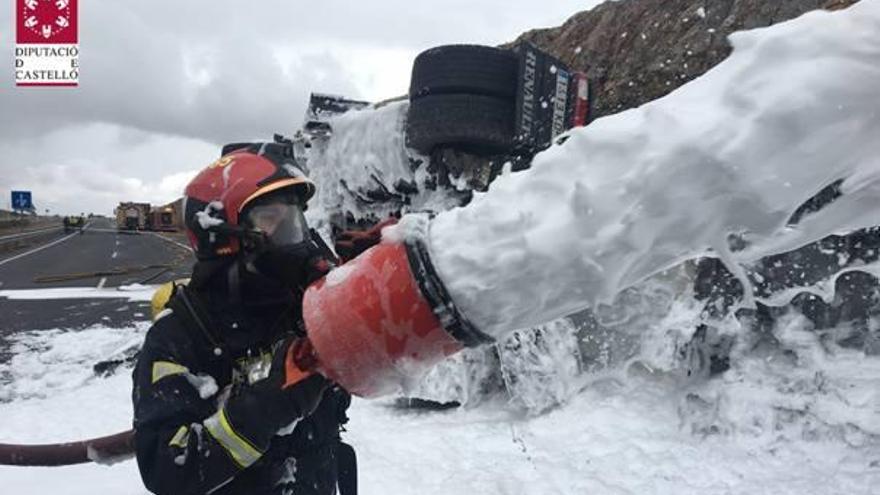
<point>225,398</point>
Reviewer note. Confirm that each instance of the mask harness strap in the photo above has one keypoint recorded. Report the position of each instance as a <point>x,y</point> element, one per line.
<point>190,305</point>
<point>233,278</point>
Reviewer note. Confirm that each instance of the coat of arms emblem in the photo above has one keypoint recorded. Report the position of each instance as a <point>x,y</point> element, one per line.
<point>46,19</point>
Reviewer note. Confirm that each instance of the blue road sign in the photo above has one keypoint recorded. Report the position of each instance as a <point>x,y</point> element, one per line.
<point>21,200</point>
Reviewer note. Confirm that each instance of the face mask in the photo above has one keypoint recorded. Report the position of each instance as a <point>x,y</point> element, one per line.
<point>282,223</point>
<point>290,265</point>
<point>286,252</point>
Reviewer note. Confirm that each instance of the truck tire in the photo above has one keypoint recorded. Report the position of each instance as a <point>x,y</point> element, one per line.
<point>464,69</point>
<point>481,124</point>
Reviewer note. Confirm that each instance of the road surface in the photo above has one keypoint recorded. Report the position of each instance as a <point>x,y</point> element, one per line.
<point>86,261</point>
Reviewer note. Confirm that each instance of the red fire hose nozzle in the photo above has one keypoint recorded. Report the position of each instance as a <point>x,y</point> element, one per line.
<point>384,319</point>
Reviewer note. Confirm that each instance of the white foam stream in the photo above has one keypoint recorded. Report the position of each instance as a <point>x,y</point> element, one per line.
<point>795,107</point>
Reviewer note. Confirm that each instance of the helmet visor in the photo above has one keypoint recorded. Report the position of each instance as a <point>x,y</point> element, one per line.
<point>283,222</point>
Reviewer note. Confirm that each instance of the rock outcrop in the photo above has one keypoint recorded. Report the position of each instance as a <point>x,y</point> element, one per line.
<point>639,50</point>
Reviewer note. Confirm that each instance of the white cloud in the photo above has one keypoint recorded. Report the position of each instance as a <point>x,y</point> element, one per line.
<point>164,83</point>
<point>94,167</point>
<point>66,189</point>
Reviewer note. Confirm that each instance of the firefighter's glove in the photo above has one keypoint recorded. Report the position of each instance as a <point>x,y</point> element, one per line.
<point>295,266</point>
<point>292,391</point>
<point>350,243</point>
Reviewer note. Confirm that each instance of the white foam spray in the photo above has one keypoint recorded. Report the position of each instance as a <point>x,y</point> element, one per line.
<point>795,107</point>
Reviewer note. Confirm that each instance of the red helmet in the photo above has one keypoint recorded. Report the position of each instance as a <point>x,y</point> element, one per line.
<point>215,198</point>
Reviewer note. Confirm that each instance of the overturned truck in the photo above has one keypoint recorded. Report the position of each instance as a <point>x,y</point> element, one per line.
<point>471,110</point>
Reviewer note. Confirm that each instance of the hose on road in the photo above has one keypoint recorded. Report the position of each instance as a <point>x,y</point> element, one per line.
<point>103,450</point>
<point>155,275</point>
<point>101,273</point>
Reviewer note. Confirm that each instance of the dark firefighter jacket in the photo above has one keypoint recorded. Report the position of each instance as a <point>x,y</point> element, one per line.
<point>179,381</point>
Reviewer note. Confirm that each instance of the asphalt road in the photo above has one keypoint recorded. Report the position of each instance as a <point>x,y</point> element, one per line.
<point>84,260</point>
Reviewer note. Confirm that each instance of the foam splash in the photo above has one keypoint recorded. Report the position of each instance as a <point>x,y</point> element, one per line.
<point>795,108</point>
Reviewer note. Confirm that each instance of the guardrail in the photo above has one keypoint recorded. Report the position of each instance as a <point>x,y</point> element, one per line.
<point>29,233</point>
<point>22,240</point>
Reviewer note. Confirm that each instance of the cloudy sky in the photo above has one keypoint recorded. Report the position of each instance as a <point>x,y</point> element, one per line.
<point>163,83</point>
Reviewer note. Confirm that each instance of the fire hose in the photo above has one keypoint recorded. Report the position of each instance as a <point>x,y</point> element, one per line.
<point>375,322</point>
<point>107,449</point>
<point>100,273</point>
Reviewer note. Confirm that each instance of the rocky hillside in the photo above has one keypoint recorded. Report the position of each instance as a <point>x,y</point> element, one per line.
<point>640,50</point>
